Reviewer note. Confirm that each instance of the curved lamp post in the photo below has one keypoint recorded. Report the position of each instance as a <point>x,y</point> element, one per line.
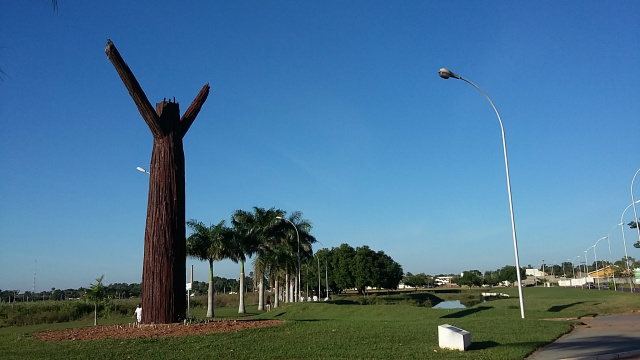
<point>595,256</point>
<point>446,74</point>
<point>297,297</point>
<point>610,257</point>
<point>575,276</point>
<point>586,266</point>
<point>573,270</point>
<point>624,241</point>
<point>633,202</point>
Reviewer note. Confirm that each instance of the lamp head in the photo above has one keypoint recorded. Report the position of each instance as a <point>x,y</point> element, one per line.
<point>446,73</point>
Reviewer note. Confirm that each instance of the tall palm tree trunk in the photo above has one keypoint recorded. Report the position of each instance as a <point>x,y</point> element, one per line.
<point>292,292</point>
<point>210,291</point>
<point>287,286</point>
<point>261,293</point>
<point>241,308</point>
<point>276,286</point>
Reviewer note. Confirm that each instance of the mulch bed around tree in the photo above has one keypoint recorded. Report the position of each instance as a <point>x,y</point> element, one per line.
<point>132,331</point>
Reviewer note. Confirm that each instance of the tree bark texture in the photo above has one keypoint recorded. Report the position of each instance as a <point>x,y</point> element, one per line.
<point>164,264</point>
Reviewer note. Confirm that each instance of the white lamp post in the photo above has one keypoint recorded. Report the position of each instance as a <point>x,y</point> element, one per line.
<point>586,266</point>
<point>633,202</point>
<point>626,257</point>
<point>297,296</point>
<point>610,258</point>
<point>595,256</point>
<point>573,270</point>
<point>445,74</point>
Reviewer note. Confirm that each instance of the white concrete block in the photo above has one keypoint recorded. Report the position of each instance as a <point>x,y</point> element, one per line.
<point>451,337</point>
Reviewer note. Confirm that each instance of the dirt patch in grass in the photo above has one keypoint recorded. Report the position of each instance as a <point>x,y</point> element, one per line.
<point>152,331</point>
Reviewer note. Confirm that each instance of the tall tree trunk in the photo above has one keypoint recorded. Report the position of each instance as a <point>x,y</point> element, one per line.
<point>241,308</point>
<point>287,290</point>
<point>261,293</point>
<point>95,314</point>
<point>164,268</point>
<point>292,292</point>
<point>276,301</point>
<point>210,291</point>
<point>164,265</point>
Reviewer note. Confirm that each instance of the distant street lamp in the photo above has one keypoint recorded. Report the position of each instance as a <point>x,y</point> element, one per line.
<point>573,270</point>
<point>633,202</point>
<point>446,74</point>
<point>610,258</point>
<point>586,266</point>
<point>626,257</point>
<point>297,296</point>
<point>143,170</point>
<point>319,293</point>
<point>595,256</point>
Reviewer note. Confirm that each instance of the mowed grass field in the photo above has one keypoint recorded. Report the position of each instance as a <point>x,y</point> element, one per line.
<point>345,329</point>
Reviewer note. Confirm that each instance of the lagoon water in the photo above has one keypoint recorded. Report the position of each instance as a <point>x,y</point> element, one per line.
<point>450,304</point>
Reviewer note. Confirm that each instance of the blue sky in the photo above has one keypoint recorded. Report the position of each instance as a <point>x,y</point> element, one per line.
<point>332,108</point>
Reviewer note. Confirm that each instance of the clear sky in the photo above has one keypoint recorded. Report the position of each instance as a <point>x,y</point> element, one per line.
<point>332,108</point>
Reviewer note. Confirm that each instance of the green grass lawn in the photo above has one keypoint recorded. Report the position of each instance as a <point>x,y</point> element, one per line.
<point>344,330</point>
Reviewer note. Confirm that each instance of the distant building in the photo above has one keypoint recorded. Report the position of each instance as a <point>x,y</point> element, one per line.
<point>535,272</point>
<point>605,272</point>
<point>443,280</point>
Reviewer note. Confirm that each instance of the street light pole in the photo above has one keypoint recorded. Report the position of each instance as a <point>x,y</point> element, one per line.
<point>624,240</point>
<point>297,297</point>
<point>595,256</point>
<point>445,74</point>
<point>319,294</point>
<point>633,202</point>
<point>326,275</point>
<point>586,267</point>
<point>573,270</point>
<point>610,259</point>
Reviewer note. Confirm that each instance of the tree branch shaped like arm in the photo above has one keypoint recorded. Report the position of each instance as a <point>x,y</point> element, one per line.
<point>137,94</point>
<point>193,110</point>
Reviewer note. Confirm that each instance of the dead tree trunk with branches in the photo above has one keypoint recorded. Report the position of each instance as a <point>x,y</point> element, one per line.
<point>164,266</point>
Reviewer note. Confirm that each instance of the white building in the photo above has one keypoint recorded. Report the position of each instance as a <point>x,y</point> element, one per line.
<point>535,272</point>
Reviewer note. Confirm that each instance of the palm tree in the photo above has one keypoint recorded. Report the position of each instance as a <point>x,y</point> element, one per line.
<point>279,262</point>
<point>264,229</point>
<point>241,246</point>
<point>208,244</point>
<point>288,236</point>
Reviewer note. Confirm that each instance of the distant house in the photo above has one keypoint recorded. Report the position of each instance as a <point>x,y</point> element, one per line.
<point>535,272</point>
<point>605,272</point>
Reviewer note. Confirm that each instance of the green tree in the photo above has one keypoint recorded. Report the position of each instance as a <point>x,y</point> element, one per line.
<point>363,268</point>
<point>341,264</point>
<point>209,244</point>
<point>410,280</point>
<point>508,273</point>
<point>96,294</point>
<point>390,272</point>
<point>470,278</point>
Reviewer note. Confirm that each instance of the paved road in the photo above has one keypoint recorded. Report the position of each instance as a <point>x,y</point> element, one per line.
<point>602,337</point>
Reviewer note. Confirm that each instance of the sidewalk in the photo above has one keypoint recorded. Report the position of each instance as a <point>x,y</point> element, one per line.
<point>602,337</point>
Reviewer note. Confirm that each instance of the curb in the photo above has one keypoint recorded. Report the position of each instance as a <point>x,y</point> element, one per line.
<point>622,355</point>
